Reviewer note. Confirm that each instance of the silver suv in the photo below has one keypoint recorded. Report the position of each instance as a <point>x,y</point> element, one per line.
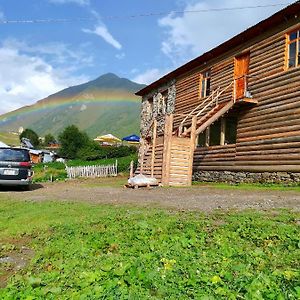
<point>15,167</point>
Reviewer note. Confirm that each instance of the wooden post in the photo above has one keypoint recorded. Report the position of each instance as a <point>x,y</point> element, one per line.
<point>167,149</point>
<point>223,129</point>
<point>153,146</point>
<point>131,169</point>
<point>192,149</point>
<point>207,134</point>
<point>142,155</point>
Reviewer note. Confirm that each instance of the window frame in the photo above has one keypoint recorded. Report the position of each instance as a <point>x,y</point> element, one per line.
<point>204,78</point>
<point>287,50</point>
<point>222,133</point>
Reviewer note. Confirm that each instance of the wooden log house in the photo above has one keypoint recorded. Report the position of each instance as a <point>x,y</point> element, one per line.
<point>231,114</point>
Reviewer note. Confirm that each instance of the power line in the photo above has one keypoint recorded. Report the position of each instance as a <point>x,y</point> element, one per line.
<point>150,14</point>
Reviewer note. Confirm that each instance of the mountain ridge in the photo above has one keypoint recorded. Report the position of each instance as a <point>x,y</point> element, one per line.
<point>105,104</point>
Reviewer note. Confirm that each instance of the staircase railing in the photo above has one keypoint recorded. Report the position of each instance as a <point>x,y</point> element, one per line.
<point>212,99</point>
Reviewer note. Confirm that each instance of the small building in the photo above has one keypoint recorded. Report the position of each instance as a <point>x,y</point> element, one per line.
<point>36,156</point>
<point>231,114</point>
<point>53,145</point>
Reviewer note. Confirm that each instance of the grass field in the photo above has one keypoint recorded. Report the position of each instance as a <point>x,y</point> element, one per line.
<point>85,251</point>
<point>9,138</point>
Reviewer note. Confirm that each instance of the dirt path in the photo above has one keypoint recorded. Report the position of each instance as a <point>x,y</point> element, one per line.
<point>203,198</point>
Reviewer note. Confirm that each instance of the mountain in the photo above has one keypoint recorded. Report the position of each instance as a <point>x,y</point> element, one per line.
<point>104,105</point>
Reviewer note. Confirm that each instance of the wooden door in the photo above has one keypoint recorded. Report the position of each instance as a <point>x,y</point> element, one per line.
<point>178,155</point>
<point>181,162</point>
<point>241,68</point>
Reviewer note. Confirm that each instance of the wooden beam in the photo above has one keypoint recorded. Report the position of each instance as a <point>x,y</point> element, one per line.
<point>142,155</point>
<point>153,146</point>
<point>207,136</point>
<point>215,117</point>
<point>223,129</point>
<point>192,149</point>
<point>167,149</point>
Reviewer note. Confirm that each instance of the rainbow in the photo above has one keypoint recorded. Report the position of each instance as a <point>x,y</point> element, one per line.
<point>116,97</point>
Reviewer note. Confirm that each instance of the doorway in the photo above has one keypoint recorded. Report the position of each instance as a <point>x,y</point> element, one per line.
<point>241,69</point>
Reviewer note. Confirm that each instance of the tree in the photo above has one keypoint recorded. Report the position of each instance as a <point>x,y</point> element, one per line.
<point>72,140</point>
<point>49,138</point>
<point>32,136</point>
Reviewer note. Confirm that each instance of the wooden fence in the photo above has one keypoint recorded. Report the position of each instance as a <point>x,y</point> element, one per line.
<point>93,171</point>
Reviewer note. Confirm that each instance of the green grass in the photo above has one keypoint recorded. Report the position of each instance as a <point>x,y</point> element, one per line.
<point>250,186</point>
<point>9,138</point>
<point>56,170</point>
<point>85,251</point>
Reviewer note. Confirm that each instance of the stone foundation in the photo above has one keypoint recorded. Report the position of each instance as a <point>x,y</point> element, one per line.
<point>247,177</point>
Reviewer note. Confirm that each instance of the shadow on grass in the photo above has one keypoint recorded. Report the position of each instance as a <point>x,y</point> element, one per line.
<point>17,188</point>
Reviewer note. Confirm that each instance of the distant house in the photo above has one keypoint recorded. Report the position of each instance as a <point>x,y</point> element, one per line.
<point>53,145</point>
<point>231,114</point>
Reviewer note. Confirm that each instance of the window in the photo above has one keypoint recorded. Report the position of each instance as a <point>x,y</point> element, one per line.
<point>204,84</point>
<point>215,133</point>
<point>202,139</point>
<point>230,130</point>
<point>293,49</point>
<point>222,132</point>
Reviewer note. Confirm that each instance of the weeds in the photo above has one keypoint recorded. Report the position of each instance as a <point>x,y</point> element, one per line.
<point>87,251</point>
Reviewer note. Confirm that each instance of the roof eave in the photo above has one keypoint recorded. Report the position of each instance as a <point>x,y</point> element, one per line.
<point>249,33</point>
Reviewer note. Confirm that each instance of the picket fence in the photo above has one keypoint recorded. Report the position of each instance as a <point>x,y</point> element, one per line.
<point>93,171</point>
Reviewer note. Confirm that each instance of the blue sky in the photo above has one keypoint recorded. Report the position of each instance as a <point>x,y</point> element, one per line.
<point>37,59</point>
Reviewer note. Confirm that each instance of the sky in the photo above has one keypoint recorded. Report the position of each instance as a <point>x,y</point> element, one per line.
<point>137,39</point>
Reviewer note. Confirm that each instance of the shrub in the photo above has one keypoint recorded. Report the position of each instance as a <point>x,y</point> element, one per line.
<point>72,140</point>
<point>120,151</point>
<point>93,151</point>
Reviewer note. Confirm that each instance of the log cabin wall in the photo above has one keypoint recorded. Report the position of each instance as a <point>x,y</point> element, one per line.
<point>268,134</point>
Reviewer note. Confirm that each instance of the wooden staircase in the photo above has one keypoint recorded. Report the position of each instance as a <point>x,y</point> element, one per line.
<point>210,117</point>
<point>169,158</point>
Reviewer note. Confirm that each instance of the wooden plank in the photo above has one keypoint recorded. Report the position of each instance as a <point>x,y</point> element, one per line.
<point>167,149</point>
<point>153,146</point>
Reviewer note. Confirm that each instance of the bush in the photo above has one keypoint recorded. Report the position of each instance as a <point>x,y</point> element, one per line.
<point>121,151</point>
<point>93,151</point>
<point>72,141</point>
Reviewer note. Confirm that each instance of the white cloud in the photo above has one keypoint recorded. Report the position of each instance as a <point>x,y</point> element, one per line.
<point>149,76</point>
<point>56,53</point>
<point>79,2</point>
<point>26,78</point>
<point>103,32</point>
<point>190,34</point>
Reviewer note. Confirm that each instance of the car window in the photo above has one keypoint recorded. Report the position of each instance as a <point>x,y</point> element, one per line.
<point>18,155</point>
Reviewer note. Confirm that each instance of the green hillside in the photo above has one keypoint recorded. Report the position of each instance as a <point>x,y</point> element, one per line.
<point>9,138</point>
<point>104,105</point>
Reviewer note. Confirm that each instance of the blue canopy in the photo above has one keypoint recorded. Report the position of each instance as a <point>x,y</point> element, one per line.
<point>131,138</point>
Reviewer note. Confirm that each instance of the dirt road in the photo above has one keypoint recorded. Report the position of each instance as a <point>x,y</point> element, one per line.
<point>204,198</point>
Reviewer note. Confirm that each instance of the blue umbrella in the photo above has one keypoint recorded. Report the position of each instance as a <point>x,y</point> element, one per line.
<point>131,138</point>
